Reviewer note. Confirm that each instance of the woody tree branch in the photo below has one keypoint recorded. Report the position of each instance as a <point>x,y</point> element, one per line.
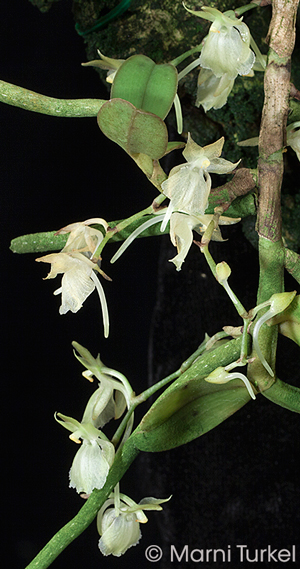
<point>270,172</point>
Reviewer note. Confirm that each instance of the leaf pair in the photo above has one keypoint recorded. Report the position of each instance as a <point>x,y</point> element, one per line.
<point>141,97</point>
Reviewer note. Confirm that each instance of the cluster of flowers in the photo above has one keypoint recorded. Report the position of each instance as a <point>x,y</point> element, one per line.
<point>225,54</point>
<point>119,518</point>
<point>188,187</point>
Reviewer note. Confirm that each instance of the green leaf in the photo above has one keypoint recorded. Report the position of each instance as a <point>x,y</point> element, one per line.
<point>136,131</point>
<point>188,412</point>
<point>191,407</point>
<point>147,86</point>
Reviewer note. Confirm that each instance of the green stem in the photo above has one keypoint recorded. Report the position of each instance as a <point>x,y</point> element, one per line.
<point>243,9</point>
<point>186,54</point>
<point>120,226</point>
<point>210,261</point>
<point>88,512</point>
<point>49,241</point>
<point>285,395</point>
<point>31,101</point>
<point>141,399</point>
<point>292,264</point>
<point>245,340</point>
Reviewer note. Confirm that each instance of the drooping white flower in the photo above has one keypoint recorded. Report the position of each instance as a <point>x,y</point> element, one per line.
<point>181,232</point>
<point>75,263</point>
<point>188,185</point>
<point>212,91</point>
<point>93,460</point>
<point>114,392</point>
<point>119,527</point>
<point>226,48</point>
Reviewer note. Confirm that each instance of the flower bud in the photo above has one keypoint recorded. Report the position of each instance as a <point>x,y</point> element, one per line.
<point>223,271</point>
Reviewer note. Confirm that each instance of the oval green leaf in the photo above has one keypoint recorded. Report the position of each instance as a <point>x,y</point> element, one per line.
<point>187,413</point>
<point>136,131</point>
<point>148,86</point>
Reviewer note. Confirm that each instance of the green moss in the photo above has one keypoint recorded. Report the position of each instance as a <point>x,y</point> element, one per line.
<point>43,5</point>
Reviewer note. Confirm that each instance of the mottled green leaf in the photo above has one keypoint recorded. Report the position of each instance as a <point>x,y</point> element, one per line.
<point>147,86</point>
<point>134,130</point>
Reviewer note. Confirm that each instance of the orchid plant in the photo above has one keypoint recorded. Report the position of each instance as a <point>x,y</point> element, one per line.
<point>187,205</point>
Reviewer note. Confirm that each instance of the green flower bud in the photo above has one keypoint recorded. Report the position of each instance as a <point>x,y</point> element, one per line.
<point>223,271</point>
<point>278,302</point>
<point>220,375</point>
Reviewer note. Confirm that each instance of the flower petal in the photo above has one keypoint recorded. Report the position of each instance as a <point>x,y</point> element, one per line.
<point>91,466</point>
<point>119,533</point>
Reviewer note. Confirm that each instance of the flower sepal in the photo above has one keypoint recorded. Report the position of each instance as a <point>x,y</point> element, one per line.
<point>118,522</point>
<point>94,458</point>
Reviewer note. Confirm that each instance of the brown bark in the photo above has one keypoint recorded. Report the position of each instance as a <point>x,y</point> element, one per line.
<point>274,116</point>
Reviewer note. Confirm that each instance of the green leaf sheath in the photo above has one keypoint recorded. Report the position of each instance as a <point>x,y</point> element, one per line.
<point>31,101</point>
<point>271,260</point>
<point>292,264</point>
<point>285,395</point>
<point>88,512</point>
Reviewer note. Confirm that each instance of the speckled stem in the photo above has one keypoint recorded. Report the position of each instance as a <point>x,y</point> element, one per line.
<point>31,101</point>
<point>88,512</point>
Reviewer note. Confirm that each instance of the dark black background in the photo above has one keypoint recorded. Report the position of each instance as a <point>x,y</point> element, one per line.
<point>55,171</point>
<point>237,485</point>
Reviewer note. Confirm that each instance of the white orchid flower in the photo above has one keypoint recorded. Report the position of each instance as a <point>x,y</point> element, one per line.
<point>188,185</point>
<point>181,232</point>
<point>226,48</point>
<point>75,263</point>
<point>119,527</point>
<point>93,460</point>
<point>114,392</point>
<point>213,91</point>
